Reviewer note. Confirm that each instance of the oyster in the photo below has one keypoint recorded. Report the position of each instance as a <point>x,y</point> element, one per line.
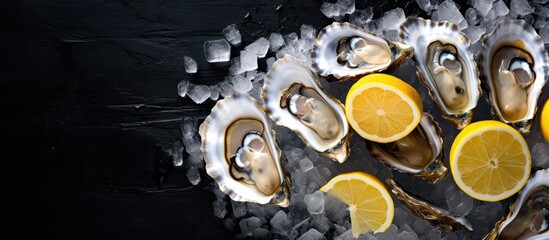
<point>241,152</point>
<point>345,51</point>
<point>436,216</point>
<point>295,99</point>
<point>528,216</point>
<point>445,66</point>
<point>419,153</point>
<point>515,68</point>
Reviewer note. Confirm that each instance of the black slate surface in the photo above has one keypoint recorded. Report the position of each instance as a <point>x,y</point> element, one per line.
<point>89,95</point>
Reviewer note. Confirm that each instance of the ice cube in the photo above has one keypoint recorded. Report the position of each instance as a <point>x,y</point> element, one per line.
<point>241,83</point>
<point>270,62</point>
<point>196,159</point>
<point>334,209</point>
<point>312,234</point>
<point>406,235</point>
<point>544,34</point>
<point>259,47</point>
<point>182,87</point>
<point>308,31</point>
<point>361,17</point>
<point>193,175</point>
<point>217,51</point>
<point>321,223</point>
<point>521,8</point>
<point>540,153</point>
<point>291,39</point>
<point>190,64</point>
<point>389,234</point>
<point>458,202</point>
<point>214,92</point>
<point>199,93</point>
<point>315,202</point>
<point>261,234</point>
<point>346,6</point>
<point>226,88</point>
<point>275,41</point>
<point>483,6</point>
<point>471,16</point>
<point>248,60</point>
<point>280,222</point>
<point>474,32</point>
<point>448,11</point>
<point>425,5</point>
<point>189,127</point>
<point>305,164</point>
<point>500,8</point>
<point>247,225</point>
<point>391,20</point>
<point>219,207</point>
<point>433,234</point>
<point>330,10</point>
<point>239,209</point>
<point>232,34</point>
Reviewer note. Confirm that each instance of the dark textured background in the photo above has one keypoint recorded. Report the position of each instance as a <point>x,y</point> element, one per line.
<point>89,95</point>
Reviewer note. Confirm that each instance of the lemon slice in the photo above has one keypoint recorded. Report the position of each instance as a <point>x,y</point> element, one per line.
<point>544,121</point>
<point>370,204</point>
<point>490,160</point>
<point>383,108</point>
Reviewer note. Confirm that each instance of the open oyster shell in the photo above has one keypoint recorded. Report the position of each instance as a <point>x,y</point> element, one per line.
<point>419,153</point>
<point>346,52</point>
<point>445,66</point>
<point>436,216</point>
<point>528,216</point>
<point>295,99</point>
<point>241,152</point>
<point>515,68</point>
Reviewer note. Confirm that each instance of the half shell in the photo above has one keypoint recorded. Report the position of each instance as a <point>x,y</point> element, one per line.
<point>346,52</point>
<point>515,68</point>
<point>295,99</point>
<point>419,153</point>
<point>528,216</point>
<point>445,66</point>
<point>241,152</point>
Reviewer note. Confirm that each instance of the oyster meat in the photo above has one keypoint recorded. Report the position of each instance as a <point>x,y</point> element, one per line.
<point>295,99</point>
<point>436,216</point>
<point>346,52</point>
<point>528,216</point>
<point>419,153</point>
<point>241,152</point>
<point>515,68</point>
<point>445,66</point>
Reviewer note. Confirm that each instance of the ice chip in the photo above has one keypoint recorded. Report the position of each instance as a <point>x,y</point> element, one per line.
<point>177,154</point>
<point>521,8</point>
<point>330,10</point>
<point>226,89</point>
<point>425,5</point>
<point>248,60</point>
<point>280,222</point>
<point>239,209</point>
<point>261,234</point>
<point>247,225</point>
<point>193,175</point>
<point>232,34</point>
<point>308,31</point>
<point>500,8</point>
<point>217,51</point>
<point>270,62</point>
<point>219,207</point>
<point>474,32</point>
<point>544,34</point>
<point>448,11</point>
<point>315,202</point>
<point>241,83</point>
<point>321,223</point>
<point>305,164</point>
<point>472,16</point>
<point>434,234</point>
<point>391,20</point>
<point>346,6</point>
<point>259,47</point>
<point>182,88</point>
<point>361,17</point>
<point>275,41</point>
<point>482,6</point>
<point>190,64</point>
<point>291,39</point>
<point>199,93</point>
<point>312,234</point>
<point>540,154</point>
<point>214,92</point>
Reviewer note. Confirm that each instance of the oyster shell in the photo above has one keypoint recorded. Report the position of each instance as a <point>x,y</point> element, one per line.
<point>295,99</point>
<point>419,153</point>
<point>345,52</point>
<point>528,216</point>
<point>515,68</point>
<point>445,66</point>
<point>436,216</point>
<point>241,152</point>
